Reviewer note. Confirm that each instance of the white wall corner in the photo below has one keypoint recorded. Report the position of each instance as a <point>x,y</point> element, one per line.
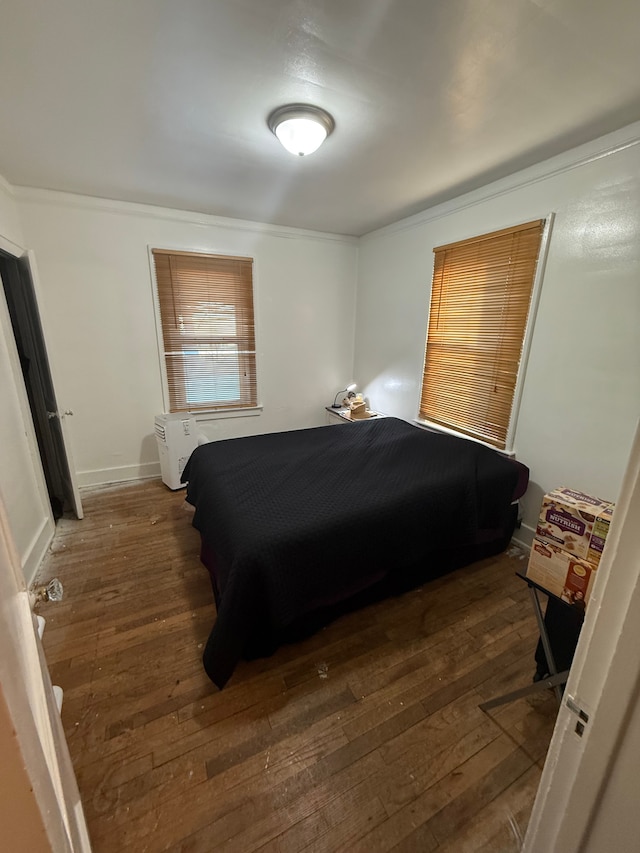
<point>11,236</point>
<point>6,187</point>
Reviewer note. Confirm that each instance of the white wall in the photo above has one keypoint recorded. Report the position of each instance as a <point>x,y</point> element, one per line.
<point>581,397</point>
<point>10,225</point>
<point>21,479</point>
<point>96,283</point>
<point>616,825</point>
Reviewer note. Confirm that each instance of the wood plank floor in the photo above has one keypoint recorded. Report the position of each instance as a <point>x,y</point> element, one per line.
<point>366,737</point>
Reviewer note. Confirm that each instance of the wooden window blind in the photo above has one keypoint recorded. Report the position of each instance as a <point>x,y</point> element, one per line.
<point>480,301</point>
<point>206,311</point>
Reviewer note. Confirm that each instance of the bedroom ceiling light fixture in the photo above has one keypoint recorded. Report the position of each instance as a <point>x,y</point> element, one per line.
<point>347,390</point>
<point>301,128</point>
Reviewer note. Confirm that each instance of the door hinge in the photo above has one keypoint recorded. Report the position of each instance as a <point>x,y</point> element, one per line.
<point>583,717</point>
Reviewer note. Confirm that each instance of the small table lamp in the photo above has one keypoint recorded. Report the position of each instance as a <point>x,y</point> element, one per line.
<point>336,404</point>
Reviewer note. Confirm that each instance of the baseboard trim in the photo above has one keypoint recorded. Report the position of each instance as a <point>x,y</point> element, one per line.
<point>523,537</point>
<point>104,476</point>
<point>36,551</point>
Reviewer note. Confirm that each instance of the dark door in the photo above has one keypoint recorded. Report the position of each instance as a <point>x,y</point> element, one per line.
<point>27,330</point>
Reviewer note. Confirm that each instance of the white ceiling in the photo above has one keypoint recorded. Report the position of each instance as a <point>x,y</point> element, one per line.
<point>165,102</point>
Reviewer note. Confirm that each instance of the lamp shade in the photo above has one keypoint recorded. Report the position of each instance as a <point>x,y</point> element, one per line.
<point>301,128</point>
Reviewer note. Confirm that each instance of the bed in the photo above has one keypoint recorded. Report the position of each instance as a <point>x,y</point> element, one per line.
<point>297,527</point>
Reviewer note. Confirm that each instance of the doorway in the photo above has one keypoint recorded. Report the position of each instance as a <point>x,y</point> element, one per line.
<point>17,283</point>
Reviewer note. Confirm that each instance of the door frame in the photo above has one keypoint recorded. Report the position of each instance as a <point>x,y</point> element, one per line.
<point>5,322</point>
<point>64,413</point>
<point>604,682</point>
<point>38,735</point>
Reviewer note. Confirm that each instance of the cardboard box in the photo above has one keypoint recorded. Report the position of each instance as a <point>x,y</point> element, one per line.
<point>562,573</point>
<point>599,534</point>
<point>577,522</point>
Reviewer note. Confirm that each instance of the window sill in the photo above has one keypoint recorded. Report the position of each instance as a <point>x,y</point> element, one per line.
<point>219,414</point>
<point>438,428</point>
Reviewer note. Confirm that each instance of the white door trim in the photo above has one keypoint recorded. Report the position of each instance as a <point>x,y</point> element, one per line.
<point>604,681</point>
<point>29,698</point>
<point>19,252</point>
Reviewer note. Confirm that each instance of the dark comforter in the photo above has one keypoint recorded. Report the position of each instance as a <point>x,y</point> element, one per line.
<point>301,519</point>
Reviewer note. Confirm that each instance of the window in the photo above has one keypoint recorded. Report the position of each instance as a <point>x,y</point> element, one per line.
<point>206,312</point>
<point>480,300</point>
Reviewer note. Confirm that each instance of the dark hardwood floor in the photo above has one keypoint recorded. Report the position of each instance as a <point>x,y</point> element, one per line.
<point>366,737</point>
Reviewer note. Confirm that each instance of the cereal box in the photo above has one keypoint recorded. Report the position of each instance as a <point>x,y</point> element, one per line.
<point>563,574</point>
<point>577,522</point>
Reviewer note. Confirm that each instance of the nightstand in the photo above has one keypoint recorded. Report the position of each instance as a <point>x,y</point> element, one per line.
<point>342,416</point>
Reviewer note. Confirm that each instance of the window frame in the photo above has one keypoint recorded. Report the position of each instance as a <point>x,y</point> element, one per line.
<point>201,413</point>
<point>526,346</point>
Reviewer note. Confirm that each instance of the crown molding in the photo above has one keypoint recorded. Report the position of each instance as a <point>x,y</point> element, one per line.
<point>589,152</point>
<point>605,146</point>
<point>73,201</point>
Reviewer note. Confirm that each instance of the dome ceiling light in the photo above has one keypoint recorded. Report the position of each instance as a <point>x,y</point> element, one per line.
<point>301,128</point>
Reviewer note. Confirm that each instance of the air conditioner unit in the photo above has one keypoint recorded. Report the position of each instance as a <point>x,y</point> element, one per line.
<point>177,437</point>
